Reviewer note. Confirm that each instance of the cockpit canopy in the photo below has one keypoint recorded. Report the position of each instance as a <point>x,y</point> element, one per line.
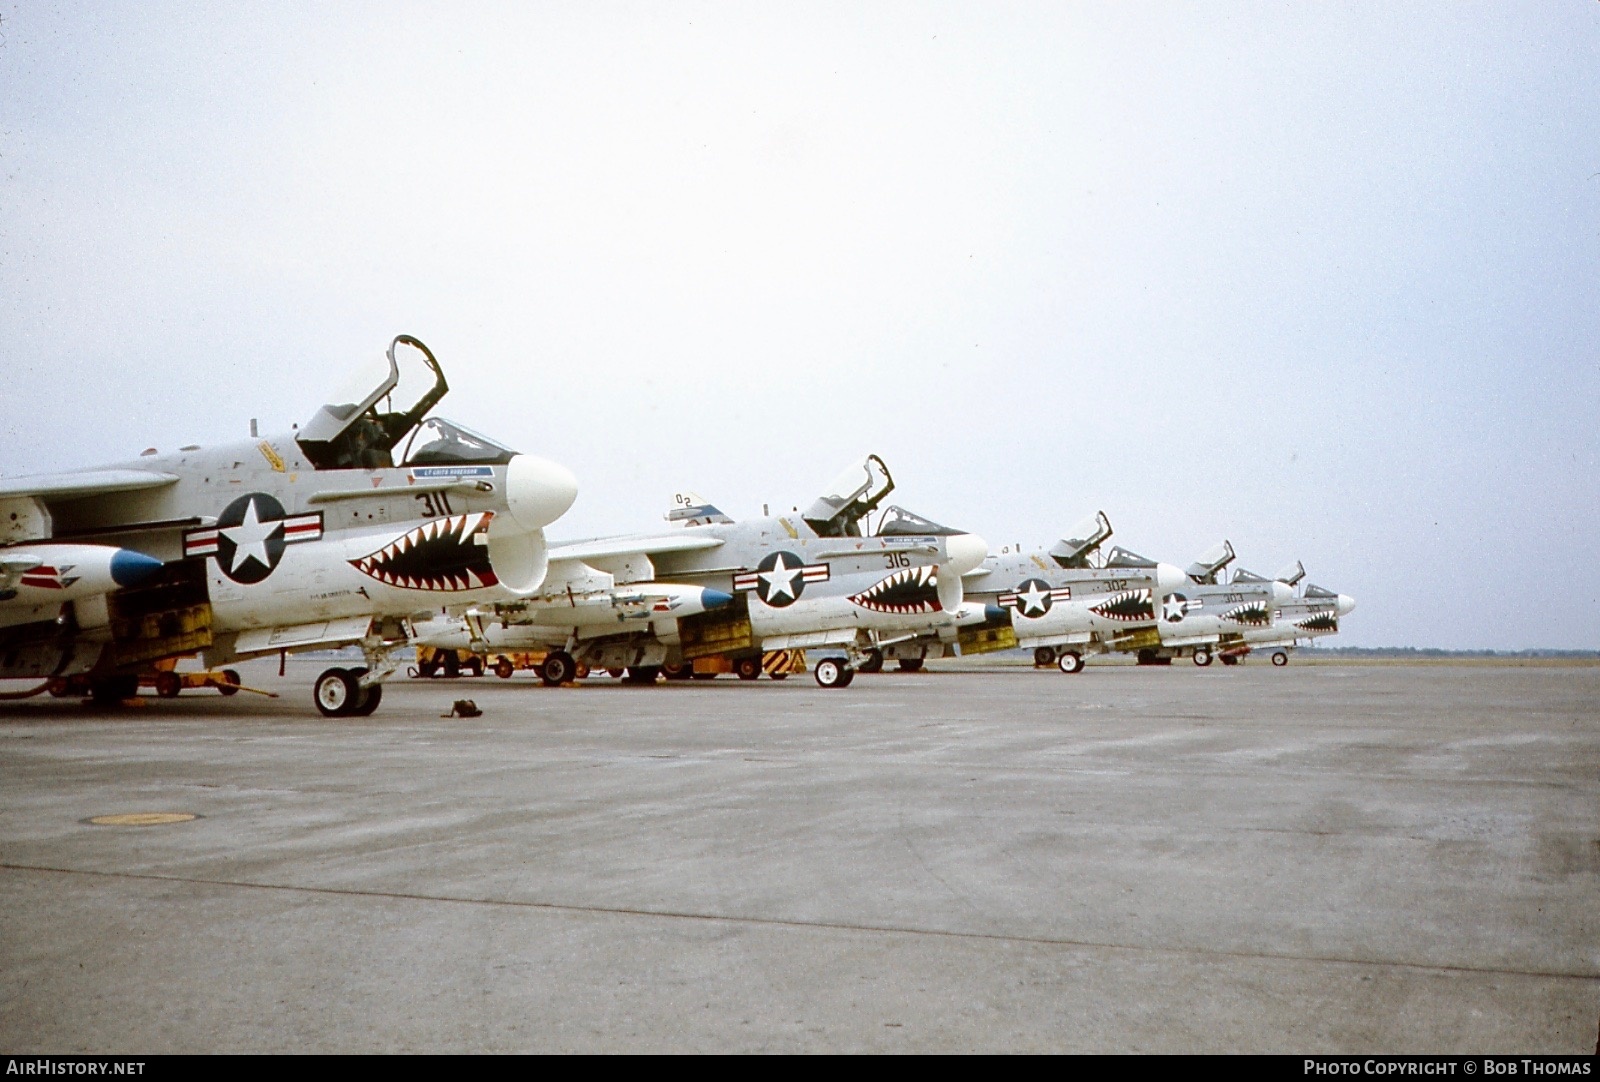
<point>898,522</point>
<point>1215,558</point>
<point>852,496</point>
<point>1292,574</point>
<point>368,418</point>
<point>1074,549</point>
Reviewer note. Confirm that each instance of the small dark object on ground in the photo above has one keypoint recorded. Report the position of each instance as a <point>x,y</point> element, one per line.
<point>463,708</point>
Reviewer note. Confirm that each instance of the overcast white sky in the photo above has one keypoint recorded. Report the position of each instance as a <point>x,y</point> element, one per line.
<point>1320,279</point>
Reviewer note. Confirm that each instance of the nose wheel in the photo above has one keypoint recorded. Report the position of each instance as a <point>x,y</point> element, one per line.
<point>832,672</point>
<point>1202,656</point>
<point>1070,661</point>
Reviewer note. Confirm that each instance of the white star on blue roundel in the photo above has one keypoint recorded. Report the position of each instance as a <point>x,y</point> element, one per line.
<point>1173,607</point>
<point>1033,598</point>
<point>250,537</point>
<point>780,579</point>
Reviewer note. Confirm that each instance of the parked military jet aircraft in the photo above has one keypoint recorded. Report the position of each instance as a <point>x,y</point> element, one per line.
<point>809,580</point>
<point>335,534</point>
<point>1209,614</point>
<point>1063,603</point>
<point>1314,614</point>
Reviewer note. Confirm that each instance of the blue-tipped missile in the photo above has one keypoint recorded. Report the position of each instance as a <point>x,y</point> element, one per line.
<point>44,572</point>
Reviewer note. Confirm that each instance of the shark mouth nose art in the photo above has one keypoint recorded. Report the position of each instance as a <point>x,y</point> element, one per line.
<point>1254,613</point>
<point>1130,605</point>
<point>446,554</point>
<point>914,590</point>
<point>1319,621</point>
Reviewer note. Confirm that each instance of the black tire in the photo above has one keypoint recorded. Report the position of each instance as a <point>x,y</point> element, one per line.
<point>705,675</point>
<point>747,668</point>
<point>475,665</point>
<point>910,664</point>
<point>1229,659</point>
<point>370,698</point>
<point>1044,656</point>
<point>168,684</point>
<point>337,692</point>
<point>1202,656</point>
<point>230,682</point>
<point>503,668</point>
<point>779,675</point>
<point>833,672</point>
<point>452,665</point>
<point>1070,661</point>
<point>873,662</point>
<point>428,669</point>
<point>677,671</point>
<point>1280,658</point>
<point>113,690</point>
<point>557,668</point>
<point>642,674</point>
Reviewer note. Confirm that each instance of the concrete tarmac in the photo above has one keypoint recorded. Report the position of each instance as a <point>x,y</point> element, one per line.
<point>1317,859</point>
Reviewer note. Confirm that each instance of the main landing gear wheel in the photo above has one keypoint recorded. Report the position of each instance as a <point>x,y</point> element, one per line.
<point>1280,658</point>
<point>1070,661</point>
<point>370,698</point>
<point>337,692</point>
<point>557,668</point>
<point>833,672</point>
<point>1046,655</point>
<point>747,668</point>
<point>112,691</point>
<point>1202,656</point>
<point>910,664</point>
<point>873,662</point>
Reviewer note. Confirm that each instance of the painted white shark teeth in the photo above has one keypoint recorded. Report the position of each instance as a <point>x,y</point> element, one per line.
<point>462,531</point>
<point>918,578</point>
<point>1115,606</point>
<point>1253,612</point>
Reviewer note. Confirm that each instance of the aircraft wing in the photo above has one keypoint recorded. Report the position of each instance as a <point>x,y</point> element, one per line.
<point>72,485</point>
<point>608,547</point>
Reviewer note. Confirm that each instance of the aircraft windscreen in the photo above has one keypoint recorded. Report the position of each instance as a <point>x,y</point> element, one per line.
<point>1121,557</point>
<point>438,442</point>
<point>898,522</point>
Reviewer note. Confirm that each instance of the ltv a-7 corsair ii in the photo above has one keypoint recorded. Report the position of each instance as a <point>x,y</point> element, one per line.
<point>1312,615</point>
<point>338,533</point>
<point>1063,603</point>
<point>715,588</point>
<point>1210,614</point>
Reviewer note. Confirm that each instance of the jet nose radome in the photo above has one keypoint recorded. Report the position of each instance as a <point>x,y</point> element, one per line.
<point>538,491</point>
<point>1170,577</point>
<point>965,551</point>
<point>1346,603</point>
<point>129,568</point>
<point>1282,592</point>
